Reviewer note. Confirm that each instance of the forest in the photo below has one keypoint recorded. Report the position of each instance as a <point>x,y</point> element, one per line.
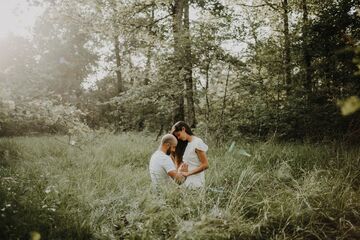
<point>230,68</point>
<point>272,86</point>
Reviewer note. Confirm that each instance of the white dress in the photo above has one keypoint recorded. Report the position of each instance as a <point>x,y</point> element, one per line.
<point>191,158</point>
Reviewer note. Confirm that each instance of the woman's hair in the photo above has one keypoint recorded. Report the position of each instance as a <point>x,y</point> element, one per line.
<point>181,146</point>
<point>178,127</point>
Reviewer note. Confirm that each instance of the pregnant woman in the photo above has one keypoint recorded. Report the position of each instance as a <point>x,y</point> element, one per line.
<point>190,154</point>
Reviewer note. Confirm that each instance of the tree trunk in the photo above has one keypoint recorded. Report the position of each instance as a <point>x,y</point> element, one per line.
<point>287,57</point>
<point>120,86</point>
<point>178,9</point>
<point>187,73</point>
<point>207,116</point>
<point>222,123</point>
<point>307,58</point>
<point>178,110</point>
<point>131,68</point>
<point>148,66</point>
<point>149,49</point>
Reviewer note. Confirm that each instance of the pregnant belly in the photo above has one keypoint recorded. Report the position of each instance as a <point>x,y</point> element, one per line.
<point>196,180</point>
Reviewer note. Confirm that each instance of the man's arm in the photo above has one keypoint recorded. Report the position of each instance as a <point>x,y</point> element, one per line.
<point>178,177</point>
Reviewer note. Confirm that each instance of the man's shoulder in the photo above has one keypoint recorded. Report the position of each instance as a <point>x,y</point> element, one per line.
<point>159,155</point>
<point>160,161</point>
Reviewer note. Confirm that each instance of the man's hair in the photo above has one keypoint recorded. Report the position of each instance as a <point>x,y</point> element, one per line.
<point>168,138</point>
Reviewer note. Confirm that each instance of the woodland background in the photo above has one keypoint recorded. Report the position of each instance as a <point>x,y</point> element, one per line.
<point>233,69</point>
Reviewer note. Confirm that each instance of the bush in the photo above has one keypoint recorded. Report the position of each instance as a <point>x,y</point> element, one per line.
<point>45,115</point>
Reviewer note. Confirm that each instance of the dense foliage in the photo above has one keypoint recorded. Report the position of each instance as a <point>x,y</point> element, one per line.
<point>229,68</point>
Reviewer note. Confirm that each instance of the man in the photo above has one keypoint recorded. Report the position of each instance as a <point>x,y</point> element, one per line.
<point>162,168</point>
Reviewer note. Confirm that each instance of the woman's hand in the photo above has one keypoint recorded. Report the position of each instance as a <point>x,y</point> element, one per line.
<point>184,167</point>
<point>204,164</point>
<point>185,174</point>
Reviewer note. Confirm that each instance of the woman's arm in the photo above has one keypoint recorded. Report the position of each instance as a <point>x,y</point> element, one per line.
<point>204,164</point>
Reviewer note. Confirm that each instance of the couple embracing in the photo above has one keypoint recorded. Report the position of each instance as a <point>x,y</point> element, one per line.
<point>181,157</point>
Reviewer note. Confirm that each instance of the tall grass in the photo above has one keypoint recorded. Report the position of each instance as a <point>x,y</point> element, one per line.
<point>102,191</point>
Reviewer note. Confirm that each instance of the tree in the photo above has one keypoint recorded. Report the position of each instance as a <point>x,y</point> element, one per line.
<point>63,59</point>
<point>17,68</point>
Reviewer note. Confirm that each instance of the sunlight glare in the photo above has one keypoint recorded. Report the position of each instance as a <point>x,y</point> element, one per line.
<point>16,17</point>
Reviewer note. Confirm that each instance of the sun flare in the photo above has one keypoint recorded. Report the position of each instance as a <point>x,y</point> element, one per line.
<point>17,17</point>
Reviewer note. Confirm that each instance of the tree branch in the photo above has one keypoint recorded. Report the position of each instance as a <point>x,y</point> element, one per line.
<point>272,5</point>
<point>252,6</point>
<point>143,7</point>
<point>153,22</point>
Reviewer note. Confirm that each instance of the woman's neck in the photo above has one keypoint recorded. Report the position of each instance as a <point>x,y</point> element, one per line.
<point>189,138</point>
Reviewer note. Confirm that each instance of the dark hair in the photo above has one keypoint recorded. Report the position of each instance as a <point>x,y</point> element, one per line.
<point>181,146</point>
<point>179,125</point>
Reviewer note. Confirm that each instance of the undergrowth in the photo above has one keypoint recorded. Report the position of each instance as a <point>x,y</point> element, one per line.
<point>102,191</point>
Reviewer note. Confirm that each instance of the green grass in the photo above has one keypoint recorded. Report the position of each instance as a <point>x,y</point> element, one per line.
<point>102,191</point>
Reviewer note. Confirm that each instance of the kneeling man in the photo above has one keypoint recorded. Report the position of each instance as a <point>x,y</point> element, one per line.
<point>162,168</point>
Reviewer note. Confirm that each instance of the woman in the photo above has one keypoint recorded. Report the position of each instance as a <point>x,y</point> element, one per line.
<point>190,155</point>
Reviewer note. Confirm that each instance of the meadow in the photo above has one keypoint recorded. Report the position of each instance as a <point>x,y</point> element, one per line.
<point>102,191</point>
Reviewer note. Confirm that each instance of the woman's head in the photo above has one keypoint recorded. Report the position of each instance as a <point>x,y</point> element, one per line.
<point>180,130</point>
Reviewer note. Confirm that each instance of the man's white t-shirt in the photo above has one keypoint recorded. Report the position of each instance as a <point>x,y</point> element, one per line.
<point>160,165</point>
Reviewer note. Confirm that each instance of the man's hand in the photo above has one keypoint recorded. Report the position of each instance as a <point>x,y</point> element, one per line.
<point>178,177</point>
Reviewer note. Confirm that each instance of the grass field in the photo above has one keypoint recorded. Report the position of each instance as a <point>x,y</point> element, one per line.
<point>102,191</point>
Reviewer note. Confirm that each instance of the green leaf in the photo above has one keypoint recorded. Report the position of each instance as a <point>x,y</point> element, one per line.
<point>244,153</point>
<point>232,146</point>
<point>349,105</point>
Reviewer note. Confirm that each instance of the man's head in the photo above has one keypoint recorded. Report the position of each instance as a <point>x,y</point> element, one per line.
<point>168,143</point>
